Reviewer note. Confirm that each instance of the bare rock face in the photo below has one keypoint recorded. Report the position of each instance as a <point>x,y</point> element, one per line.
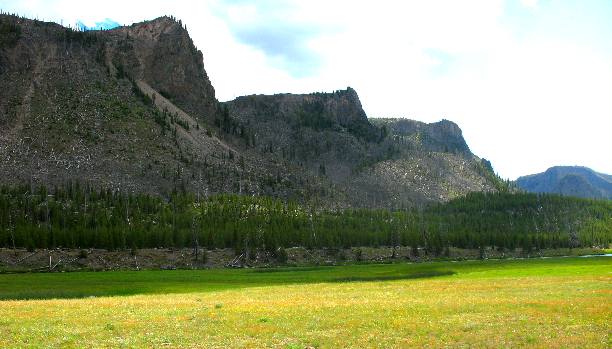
<point>441,136</point>
<point>161,53</point>
<point>340,110</point>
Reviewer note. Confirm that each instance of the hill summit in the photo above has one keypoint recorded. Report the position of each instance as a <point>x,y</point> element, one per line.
<point>569,180</point>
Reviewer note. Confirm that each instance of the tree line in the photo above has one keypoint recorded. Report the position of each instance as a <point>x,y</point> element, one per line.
<point>80,216</point>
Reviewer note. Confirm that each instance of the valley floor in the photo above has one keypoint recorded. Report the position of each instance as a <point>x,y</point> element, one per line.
<point>556,302</point>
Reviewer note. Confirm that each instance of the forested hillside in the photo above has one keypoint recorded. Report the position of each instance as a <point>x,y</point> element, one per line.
<point>81,217</point>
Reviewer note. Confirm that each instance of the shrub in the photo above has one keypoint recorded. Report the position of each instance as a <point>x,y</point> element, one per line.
<point>281,255</point>
<point>358,254</point>
<point>9,34</point>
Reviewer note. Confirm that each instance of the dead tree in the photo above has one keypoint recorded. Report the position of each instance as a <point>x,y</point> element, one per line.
<point>194,238</point>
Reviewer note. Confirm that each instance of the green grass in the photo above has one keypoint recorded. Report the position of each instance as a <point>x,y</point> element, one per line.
<point>122,283</point>
<point>556,302</point>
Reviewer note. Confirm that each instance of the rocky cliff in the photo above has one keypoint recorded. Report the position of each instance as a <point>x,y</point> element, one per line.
<point>161,53</point>
<point>442,136</point>
<point>133,108</point>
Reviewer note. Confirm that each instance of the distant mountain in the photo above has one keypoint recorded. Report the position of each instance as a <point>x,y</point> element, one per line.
<point>569,180</point>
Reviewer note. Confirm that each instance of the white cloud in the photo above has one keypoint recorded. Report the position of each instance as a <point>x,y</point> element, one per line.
<point>530,3</point>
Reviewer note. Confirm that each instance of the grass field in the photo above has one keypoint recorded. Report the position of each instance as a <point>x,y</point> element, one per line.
<point>557,302</point>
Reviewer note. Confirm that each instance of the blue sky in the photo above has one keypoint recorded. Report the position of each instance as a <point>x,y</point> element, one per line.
<point>528,81</point>
<point>104,24</point>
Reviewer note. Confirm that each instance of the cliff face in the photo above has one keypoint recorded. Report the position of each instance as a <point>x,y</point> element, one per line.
<point>441,136</point>
<point>340,110</point>
<point>161,53</point>
<point>132,108</point>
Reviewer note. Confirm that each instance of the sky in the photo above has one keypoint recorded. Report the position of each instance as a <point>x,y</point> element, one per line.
<point>528,81</point>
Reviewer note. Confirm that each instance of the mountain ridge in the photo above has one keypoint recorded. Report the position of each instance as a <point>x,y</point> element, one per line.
<point>577,181</point>
<point>132,108</point>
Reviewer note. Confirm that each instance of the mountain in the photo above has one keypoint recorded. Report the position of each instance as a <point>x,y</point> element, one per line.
<point>569,180</point>
<point>133,109</point>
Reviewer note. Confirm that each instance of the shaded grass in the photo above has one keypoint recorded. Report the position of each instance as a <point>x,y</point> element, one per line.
<point>122,283</point>
<point>289,269</point>
<point>417,275</point>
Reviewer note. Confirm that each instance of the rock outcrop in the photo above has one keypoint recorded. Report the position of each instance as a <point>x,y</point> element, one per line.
<point>161,53</point>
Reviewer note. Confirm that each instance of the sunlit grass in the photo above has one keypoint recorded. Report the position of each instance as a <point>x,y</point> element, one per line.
<point>563,302</point>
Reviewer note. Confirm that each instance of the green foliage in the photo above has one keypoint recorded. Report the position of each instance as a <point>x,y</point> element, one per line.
<point>358,254</point>
<point>388,152</point>
<point>363,129</point>
<point>135,89</point>
<point>231,126</point>
<point>10,32</point>
<point>121,73</point>
<point>78,216</point>
<point>161,119</point>
<point>322,171</point>
<point>166,94</point>
<point>485,169</point>
<point>281,255</point>
<point>75,36</point>
<point>312,115</point>
<point>184,124</point>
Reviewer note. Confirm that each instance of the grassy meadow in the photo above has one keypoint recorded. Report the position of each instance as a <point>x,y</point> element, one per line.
<point>554,302</point>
